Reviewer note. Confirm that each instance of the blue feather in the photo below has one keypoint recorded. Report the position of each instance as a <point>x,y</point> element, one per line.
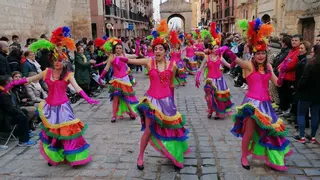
<point>105,37</point>
<point>257,24</point>
<point>66,31</point>
<point>181,36</point>
<point>218,30</point>
<point>154,34</point>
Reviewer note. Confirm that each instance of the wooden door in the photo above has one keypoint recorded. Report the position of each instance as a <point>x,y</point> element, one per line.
<point>308,28</point>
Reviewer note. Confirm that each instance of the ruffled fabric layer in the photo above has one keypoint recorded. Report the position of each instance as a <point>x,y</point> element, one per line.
<point>132,79</point>
<point>61,139</point>
<point>122,88</point>
<point>268,142</point>
<point>169,137</point>
<point>218,91</point>
<point>191,65</point>
<point>181,76</point>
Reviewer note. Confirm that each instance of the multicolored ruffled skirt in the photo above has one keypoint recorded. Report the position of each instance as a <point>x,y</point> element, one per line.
<point>122,88</point>
<point>168,136</point>
<point>192,65</point>
<point>61,139</point>
<point>218,96</point>
<point>132,79</point>
<point>268,142</point>
<point>181,75</point>
<point>199,57</point>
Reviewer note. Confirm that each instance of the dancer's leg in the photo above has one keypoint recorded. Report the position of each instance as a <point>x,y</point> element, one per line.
<point>209,101</point>
<point>132,114</point>
<point>115,106</point>
<point>249,129</point>
<point>144,140</point>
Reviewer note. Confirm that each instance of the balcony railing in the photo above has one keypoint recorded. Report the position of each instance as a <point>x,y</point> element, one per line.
<point>114,10</point>
<point>229,11</point>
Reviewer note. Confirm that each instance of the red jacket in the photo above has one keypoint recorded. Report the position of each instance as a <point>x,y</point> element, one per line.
<point>291,66</point>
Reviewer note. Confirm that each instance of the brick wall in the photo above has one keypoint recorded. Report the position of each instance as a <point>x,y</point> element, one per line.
<point>31,18</point>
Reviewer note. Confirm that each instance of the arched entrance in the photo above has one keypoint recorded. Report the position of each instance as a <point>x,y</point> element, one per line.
<point>176,21</point>
<point>266,19</point>
<point>180,9</point>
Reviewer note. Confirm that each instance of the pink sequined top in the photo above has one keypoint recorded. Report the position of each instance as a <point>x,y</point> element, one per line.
<point>214,68</point>
<point>175,56</point>
<point>160,81</point>
<point>189,52</point>
<point>200,47</point>
<point>120,70</point>
<point>258,85</point>
<point>56,88</point>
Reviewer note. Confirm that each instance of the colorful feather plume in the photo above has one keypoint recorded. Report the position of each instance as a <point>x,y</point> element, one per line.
<point>215,33</point>
<point>61,37</point>
<point>181,36</point>
<point>243,24</point>
<point>173,38</point>
<point>159,41</point>
<point>150,37</point>
<point>194,35</point>
<point>256,32</point>
<point>205,34</point>
<point>163,28</point>
<point>99,42</point>
<point>41,44</point>
<point>105,37</point>
<point>107,46</point>
<point>68,42</point>
<point>155,34</point>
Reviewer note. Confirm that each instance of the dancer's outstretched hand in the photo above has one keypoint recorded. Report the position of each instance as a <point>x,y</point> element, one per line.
<point>92,101</point>
<point>15,83</point>
<point>87,98</point>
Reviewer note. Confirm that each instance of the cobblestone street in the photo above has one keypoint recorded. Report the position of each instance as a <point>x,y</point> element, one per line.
<point>215,151</point>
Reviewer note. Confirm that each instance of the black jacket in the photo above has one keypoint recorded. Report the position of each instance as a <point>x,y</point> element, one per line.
<point>7,106</point>
<point>300,67</point>
<point>279,59</point>
<point>309,87</point>
<point>14,63</point>
<point>4,65</point>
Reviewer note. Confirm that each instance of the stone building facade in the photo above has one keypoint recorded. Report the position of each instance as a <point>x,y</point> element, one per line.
<point>31,18</point>
<point>125,18</point>
<point>287,16</point>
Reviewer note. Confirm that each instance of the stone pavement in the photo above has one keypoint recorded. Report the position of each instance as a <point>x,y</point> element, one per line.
<point>215,151</point>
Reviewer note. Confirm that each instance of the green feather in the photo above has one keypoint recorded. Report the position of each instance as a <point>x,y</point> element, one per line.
<point>150,37</point>
<point>205,34</point>
<point>107,46</point>
<point>243,24</point>
<point>41,44</point>
<point>194,35</point>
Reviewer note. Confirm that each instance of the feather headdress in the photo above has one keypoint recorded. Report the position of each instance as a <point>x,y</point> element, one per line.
<point>215,33</point>
<point>256,33</point>
<point>60,39</point>
<point>163,28</point>
<point>173,38</point>
<point>110,43</point>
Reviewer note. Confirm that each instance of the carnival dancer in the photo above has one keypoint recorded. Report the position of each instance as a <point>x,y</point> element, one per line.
<point>189,51</point>
<point>175,55</point>
<point>161,122</point>
<point>217,93</point>
<point>199,49</point>
<point>121,93</point>
<point>262,132</point>
<point>61,139</point>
